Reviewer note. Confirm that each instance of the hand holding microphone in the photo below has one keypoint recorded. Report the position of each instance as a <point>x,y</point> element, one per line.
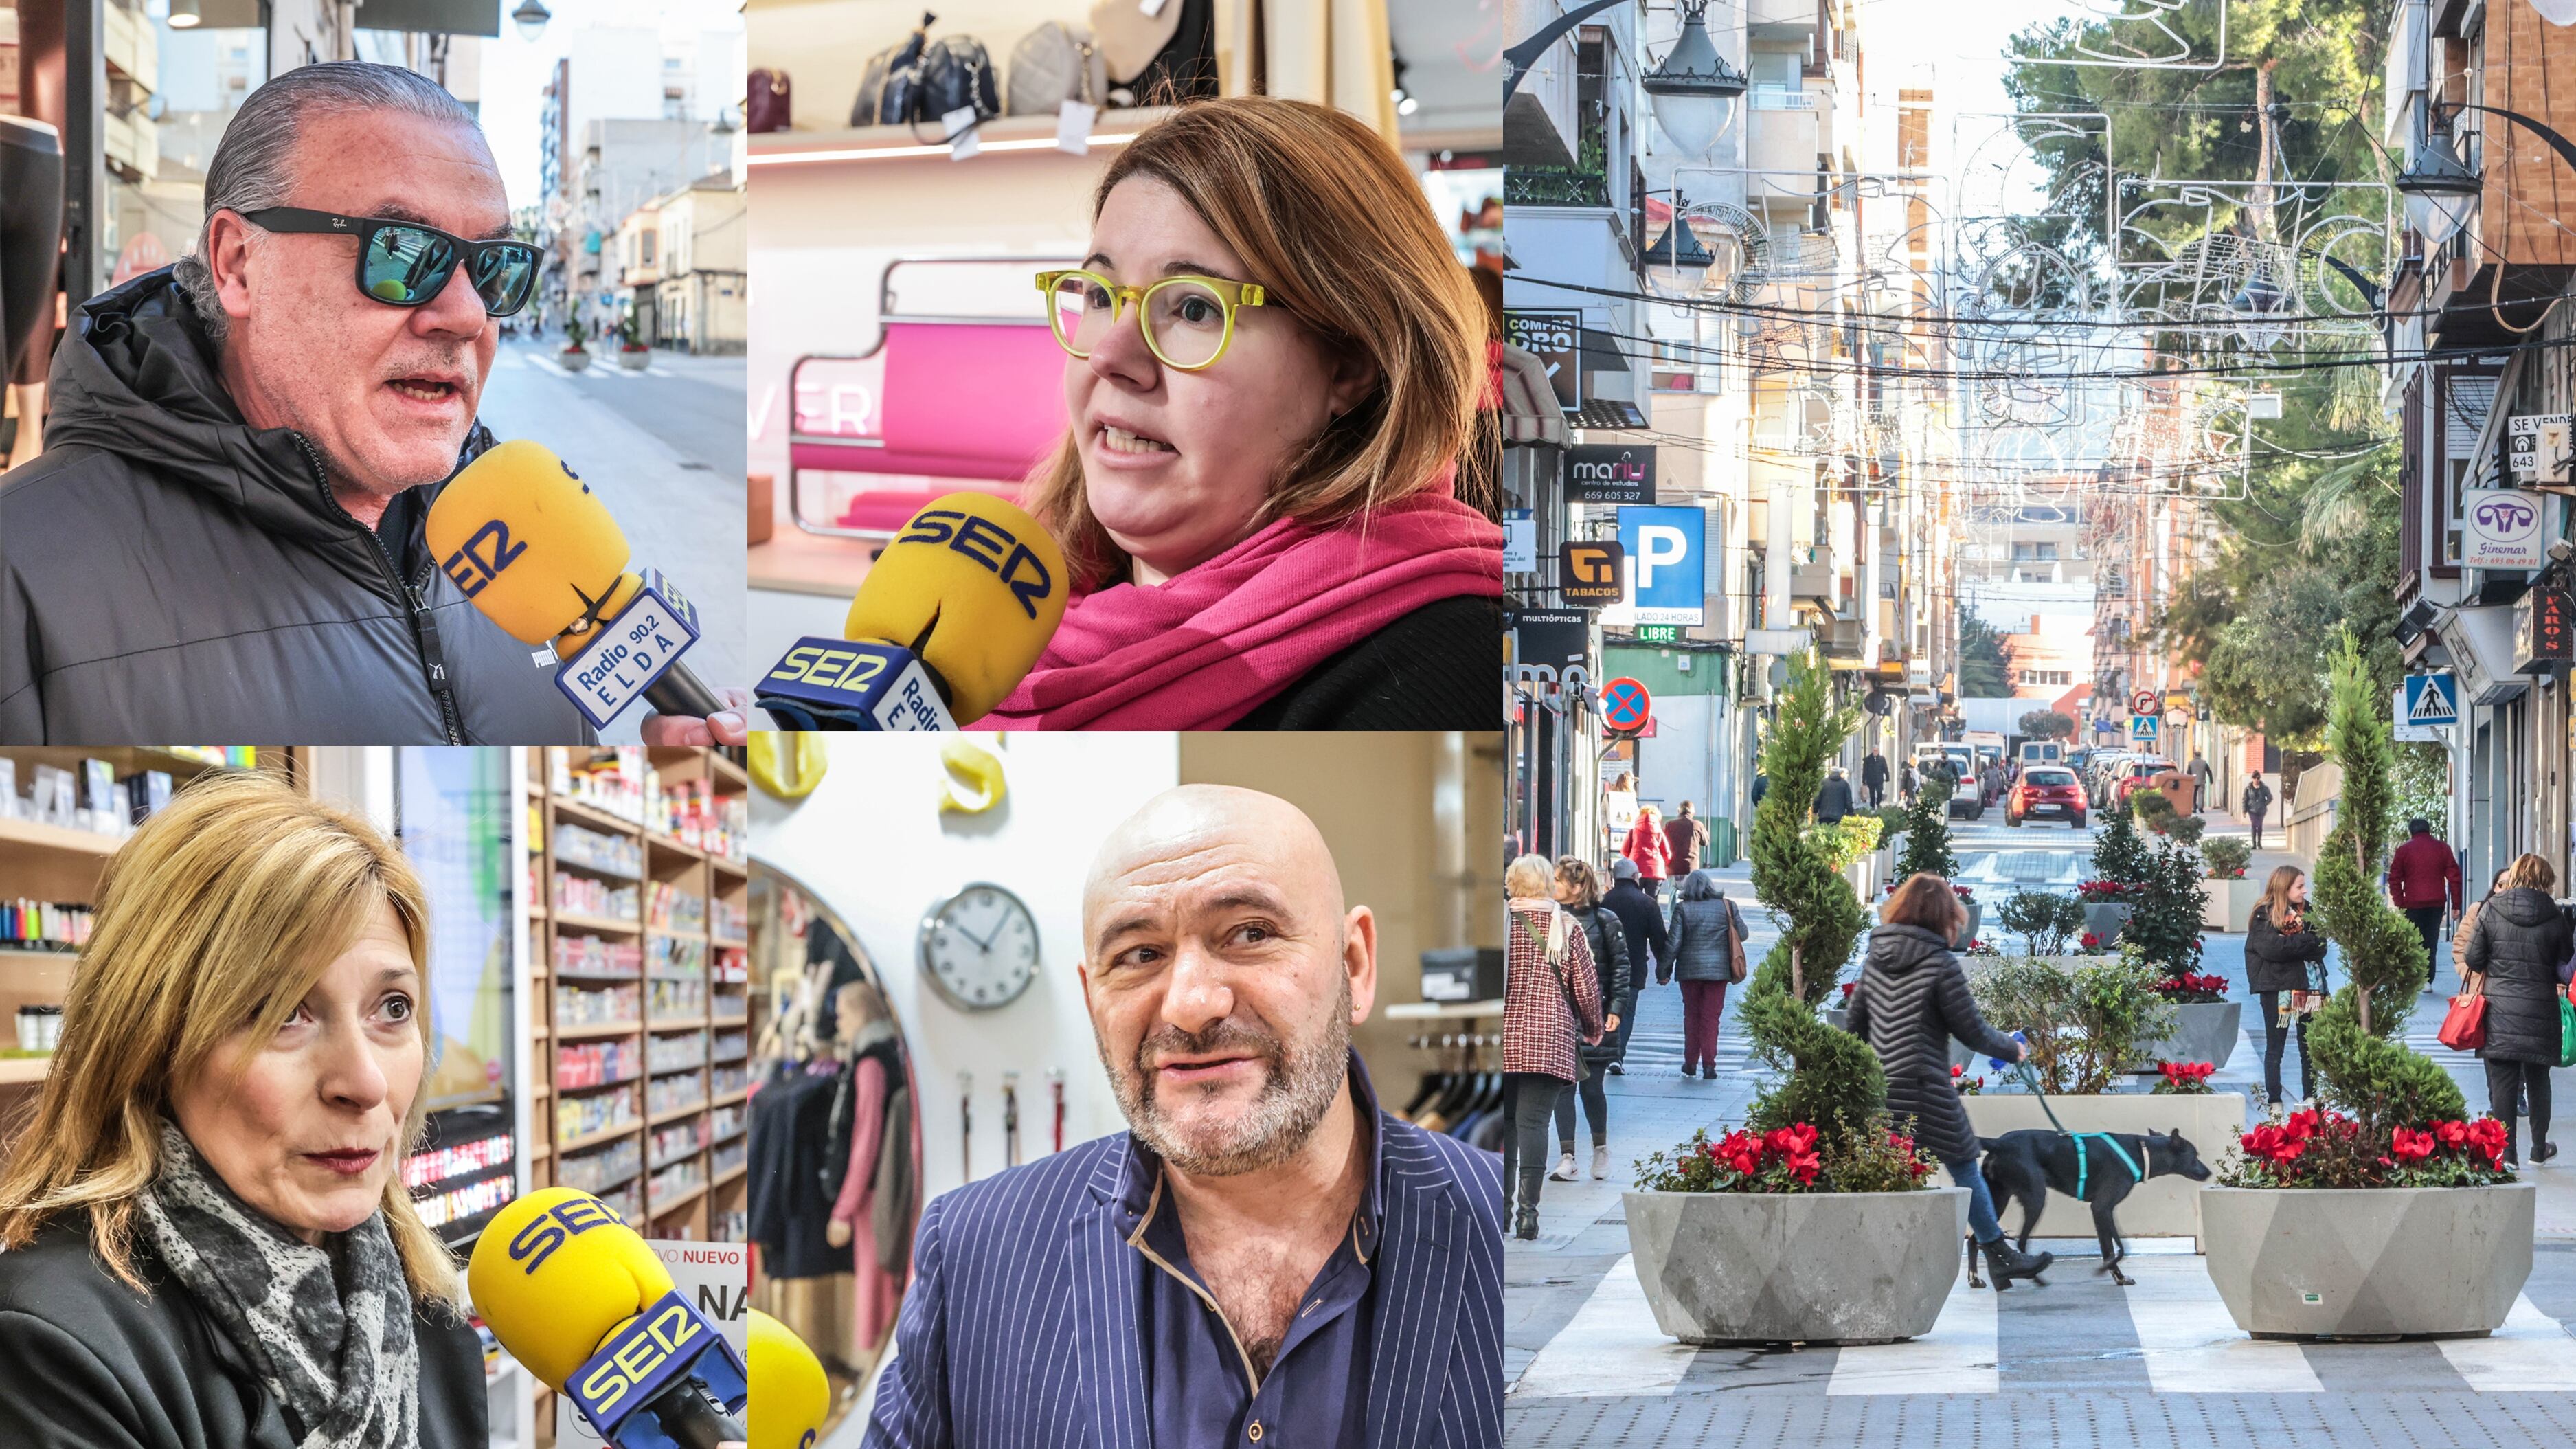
<point>522,536</point>
<point>577,1297</point>
<point>955,611</point>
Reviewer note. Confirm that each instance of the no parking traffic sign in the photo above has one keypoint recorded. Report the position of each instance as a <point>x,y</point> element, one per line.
<point>1625,704</point>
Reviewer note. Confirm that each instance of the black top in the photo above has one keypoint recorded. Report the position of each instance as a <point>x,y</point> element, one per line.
<point>1437,668</point>
<point>1913,999</point>
<point>86,1362</point>
<point>791,1120</point>
<point>1649,948</point>
<point>2517,941</point>
<point>2278,962</point>
<point>1609,938</point>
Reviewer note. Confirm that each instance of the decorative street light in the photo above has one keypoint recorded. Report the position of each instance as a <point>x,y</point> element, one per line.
<point>531,18</point>
<point>1694,91</point>
<point>1678,260</point>
<point>2439,190</point>
<point>184,15</point>
<point>2254,306</point>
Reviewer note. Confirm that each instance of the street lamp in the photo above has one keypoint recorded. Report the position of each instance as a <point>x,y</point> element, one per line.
<point>1694,91</point>
<point>184,15</point>
<point>531,18</point>
<point>1679,260</point>
<point>2253,307</point>
<point>2439,190</point>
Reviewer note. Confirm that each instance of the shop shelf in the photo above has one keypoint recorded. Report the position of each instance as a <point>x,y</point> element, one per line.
<point>605,1134</point>
<point>660,1119</point>
<point>659,1209</point>
<point>592,816</point>
<point>598,923</point>
<point>597,1031</point>
<point>728,1175</point>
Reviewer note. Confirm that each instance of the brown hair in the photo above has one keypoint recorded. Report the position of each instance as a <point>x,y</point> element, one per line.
<point>1925,900</point>
<point>2276,893</point>
<point>223,910</point>
<point>2529,872</point>
<point>1324,214</point>
<point>1577,872</point>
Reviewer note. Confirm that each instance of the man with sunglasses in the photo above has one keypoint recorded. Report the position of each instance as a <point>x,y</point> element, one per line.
<point>225,538</point>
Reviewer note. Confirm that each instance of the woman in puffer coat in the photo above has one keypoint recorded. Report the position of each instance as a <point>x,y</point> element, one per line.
<point>1578,890</point>
<point>1704,930</point>
<point>1912,1000</point>
<point>2282,952</point>
<point>2521,937</point>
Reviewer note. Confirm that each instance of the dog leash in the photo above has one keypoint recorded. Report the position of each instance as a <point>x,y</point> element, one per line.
<point>2030,1079</point>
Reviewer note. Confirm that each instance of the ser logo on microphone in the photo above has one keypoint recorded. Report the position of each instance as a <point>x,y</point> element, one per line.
<point>556,1226</point>
<point>480,559</point>
<point>629,1360</point>
<point>985,541</point>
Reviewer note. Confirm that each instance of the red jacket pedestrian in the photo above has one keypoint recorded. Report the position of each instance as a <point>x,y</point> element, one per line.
<point>2422,872</point>
<point>1647,846</point>
<point>1686,836</point>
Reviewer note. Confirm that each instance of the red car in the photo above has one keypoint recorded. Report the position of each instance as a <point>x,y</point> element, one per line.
<point>2046,792</point>
<point>2135,773</point>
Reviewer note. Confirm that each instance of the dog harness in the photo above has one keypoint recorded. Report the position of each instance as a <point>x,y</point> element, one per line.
<point>2122,1153</point>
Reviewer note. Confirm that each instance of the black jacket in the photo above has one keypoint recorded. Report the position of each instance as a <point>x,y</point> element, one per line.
<point>1647,944</point>
<point>2518,940</point>
<point>1833,799</point>
<point>1609,938</point>
<point>2257,797</point>
<point>1913,999</point>
<point>1436,668</point>
<point>2275,962</point>
<point>88,1363</point>
<point>168,572</point>
<point>1703,934</point>
<point>1873,772</point>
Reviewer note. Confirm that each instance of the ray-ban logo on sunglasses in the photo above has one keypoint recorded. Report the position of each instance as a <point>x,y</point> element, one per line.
<point>339,223</point>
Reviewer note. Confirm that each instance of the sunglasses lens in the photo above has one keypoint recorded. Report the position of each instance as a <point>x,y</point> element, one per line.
<point>503,277</point>
<point>1187,323</point>
<point>1079,309</point>
<point>406,266</point>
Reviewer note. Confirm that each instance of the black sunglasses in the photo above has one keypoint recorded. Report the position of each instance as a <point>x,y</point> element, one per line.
<point>404,264</point>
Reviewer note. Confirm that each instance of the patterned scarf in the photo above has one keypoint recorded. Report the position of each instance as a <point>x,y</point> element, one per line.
<point>328,1330</point>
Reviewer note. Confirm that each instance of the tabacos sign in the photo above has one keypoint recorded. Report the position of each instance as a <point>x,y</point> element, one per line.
<point>1610,473</point>
<point>2500,529</point>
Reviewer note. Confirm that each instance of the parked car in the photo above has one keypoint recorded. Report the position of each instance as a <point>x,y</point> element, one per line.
<point>1968,800</point>
<point>2135,772</point>
<point>2046,792</point>
<point>2100,770</point>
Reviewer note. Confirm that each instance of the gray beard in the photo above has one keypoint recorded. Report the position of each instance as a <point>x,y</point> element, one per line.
<point>1299,1085</point>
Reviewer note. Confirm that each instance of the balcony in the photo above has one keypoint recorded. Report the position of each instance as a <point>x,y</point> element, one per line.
<point>1815,584</point>
<point>1780,130</point>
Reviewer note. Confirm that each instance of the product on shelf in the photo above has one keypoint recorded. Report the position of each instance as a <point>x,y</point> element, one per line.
<point>726,1123</point>
<point>678,998</point>
<point>732,1046</point>
<point>675,1141</point>
<point>598,1170</point>
<point>627,1202</point>
<point>669,908</point>
<point>612,781</point>
<point>732,922</point>
<point>593,956</point>
<point>580,1005</point>
<point>579,1117</point>
<point>676,1093</point>
<point>732,1081</point>
<point>437,1164</point>
<point>676,1053</point>
<point>733,963</point>
<point>676,956</point>
<point>591,850</point>
<point>438,1209</point>
<point>597,1063</point>
<point>728,1157</point>
<point>43,925</point>
<point>731,1006</point>
<point>730,1227</point>
<point>677,1180</point>
<point>583,896</point>
<point>693,813</point>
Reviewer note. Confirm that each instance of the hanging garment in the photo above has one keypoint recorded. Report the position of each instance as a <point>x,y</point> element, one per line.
<point>877,1293</point>
<point>788,1206</point>
<point>896,1206</point>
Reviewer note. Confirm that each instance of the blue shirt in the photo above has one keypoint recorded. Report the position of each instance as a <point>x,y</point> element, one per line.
<point>1199,1382</point>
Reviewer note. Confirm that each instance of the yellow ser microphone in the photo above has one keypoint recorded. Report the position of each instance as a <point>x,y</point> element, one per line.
<point>536,550</point>
<point>953,614</point>
<point>789,1394</point>
<point>579,1298</point>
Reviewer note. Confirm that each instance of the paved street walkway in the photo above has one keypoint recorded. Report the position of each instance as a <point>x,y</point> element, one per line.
<point>2077,1362</point>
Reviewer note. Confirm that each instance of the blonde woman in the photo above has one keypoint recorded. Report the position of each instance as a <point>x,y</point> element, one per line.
<point>208,1241</point>
<point>2284,953</point>
<point>1551,1000</point>
<point>2521,936</point>
<point>1274,368</point>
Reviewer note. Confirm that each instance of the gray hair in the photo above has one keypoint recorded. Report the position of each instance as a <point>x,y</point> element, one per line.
<point>253,165</point>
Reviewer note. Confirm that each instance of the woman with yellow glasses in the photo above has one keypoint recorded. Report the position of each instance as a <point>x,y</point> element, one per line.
<point>1274,365</point>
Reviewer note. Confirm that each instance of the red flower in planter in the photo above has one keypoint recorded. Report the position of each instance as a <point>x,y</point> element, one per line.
<point>2274,1143</point>
<point>1790,1141</point>
<point>2302,1125</point>
<point>1804,1166</point>
<point>1740,1150</point>
<point>2090,941</point>
<point>1848,988</point>
<point>2452,1134</point>
<point>2409,1146</point>
<point>2487,1136</point>
<point>1956,1070</point>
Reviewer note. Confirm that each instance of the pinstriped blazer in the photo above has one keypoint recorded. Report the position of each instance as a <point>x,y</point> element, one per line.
<point>1020,1329</point>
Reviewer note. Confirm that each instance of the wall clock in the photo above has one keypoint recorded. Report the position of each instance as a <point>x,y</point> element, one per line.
<point>979,947</point>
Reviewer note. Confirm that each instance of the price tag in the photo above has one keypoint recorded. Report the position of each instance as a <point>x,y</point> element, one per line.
<point>960,125</point>
<point>1151,8</point>
<point>1073,127</point>
<point>543,658</point>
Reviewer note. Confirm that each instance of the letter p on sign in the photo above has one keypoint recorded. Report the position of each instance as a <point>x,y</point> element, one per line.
<point>1658,546</point>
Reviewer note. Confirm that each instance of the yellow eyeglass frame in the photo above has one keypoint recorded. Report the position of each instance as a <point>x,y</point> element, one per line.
<point>1230,294</point>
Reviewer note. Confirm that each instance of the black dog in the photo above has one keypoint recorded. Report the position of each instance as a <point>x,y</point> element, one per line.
<point>2025,1166</point>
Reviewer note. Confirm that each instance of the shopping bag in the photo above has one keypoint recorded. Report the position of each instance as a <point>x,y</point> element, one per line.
<point>2464,1026</point>
<point>2566,1032</point>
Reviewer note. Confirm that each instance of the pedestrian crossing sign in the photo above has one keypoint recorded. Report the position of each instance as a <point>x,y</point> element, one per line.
<point>2432,699</point>
<point>2143,728</point>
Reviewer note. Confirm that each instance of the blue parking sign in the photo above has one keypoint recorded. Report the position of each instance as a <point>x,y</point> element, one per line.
<point>1667,562</point>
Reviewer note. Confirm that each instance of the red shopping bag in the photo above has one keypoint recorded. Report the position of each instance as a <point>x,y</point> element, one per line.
<point>2464,1026</point>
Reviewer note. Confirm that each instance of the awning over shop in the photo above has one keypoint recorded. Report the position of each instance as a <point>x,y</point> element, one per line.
<point>2481,645</point>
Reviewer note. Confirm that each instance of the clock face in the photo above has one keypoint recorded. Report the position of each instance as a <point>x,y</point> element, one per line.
<point>980,947</point>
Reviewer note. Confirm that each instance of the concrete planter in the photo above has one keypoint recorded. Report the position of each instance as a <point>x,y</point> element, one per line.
<point>2224,904</point>
<point>2104,921</point>
<point>1976,919</point>
<point>2079,961</point>
<point>1960,1051</point>
<point>634,359</point>
<point>1827,1267</point>
<point>574,361</point>
<point>2205,1031</point>
<point>2160,1207</point>
<point>2368,1262</point>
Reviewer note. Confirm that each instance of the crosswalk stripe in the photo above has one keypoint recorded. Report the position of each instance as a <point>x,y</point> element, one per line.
<point>1611,1346</point>
<point>2531,1351</point>
<point>2192,1346</point>
<point>1957,1357</point>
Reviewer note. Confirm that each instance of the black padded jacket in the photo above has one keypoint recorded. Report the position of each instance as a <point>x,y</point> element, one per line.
<point>1913,998</point>
<point>2278,961</point>
<point>2519,940</point>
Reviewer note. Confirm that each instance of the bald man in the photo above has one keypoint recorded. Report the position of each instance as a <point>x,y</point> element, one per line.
<point>1264,1258</point>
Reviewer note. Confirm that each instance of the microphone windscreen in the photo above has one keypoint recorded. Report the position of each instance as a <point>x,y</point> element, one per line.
<point>525,539</point>
<point>789,1394</point>
<point>555,1272</point>
<point>974,588</point>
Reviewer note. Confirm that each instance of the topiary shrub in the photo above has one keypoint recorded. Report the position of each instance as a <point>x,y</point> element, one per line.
<point>1927,831</point>
<point>2045,923</point>
<point>2119,854</point>
<point>2086,1026</point>
<point>1832,1079</point>
<point>2358,1038</point>
<point>1846,842</point>
<point>2164,925</point>
<point>2227,857</point>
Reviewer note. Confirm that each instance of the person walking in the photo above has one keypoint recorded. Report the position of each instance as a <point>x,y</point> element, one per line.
<point>1652,853</point>
<point>1551,1007</point>
<point>1911,1001</point>
<point>2257,799</point>
<point>1873,778</point>
<point>2284,957</point>
<point>1687,835</point>
<point>1578,890</point>
<point>1708,939</point>
<point>2200,772</point>
<point>2424,881</point>
<point>1761,787</point>
<point>1649,949</point>
<point>1906,782</point>
<point>1833,798</point>
<point>2514,952</point>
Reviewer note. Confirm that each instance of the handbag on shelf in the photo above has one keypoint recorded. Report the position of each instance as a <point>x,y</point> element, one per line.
<point>2464,1026</point>
<point>766,102</point>
<point>1053,64</point>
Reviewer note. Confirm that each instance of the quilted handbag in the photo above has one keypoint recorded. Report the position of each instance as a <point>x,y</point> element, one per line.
<point>2464,1026</point>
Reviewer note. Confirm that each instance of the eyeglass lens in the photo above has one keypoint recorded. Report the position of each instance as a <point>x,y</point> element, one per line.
<point>407,266</point>
<point>1184,320</point>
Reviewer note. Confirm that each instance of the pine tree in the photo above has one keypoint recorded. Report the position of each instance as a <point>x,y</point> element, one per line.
<point>2359,1038</point>
<point>1833,1079</point>
<point>2120,854</point>
<point>1927,831</point>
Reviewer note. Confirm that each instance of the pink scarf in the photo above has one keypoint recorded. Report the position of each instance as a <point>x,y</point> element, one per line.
<point>1212,643</point>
